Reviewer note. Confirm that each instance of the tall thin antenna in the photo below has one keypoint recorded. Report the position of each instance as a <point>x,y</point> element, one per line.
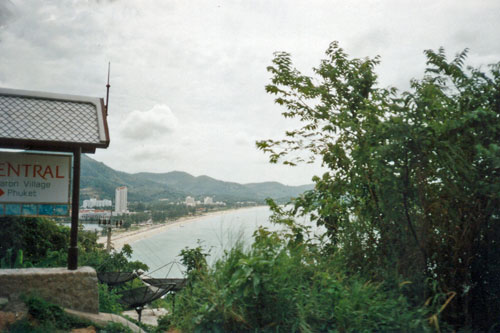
<point>107,89</point>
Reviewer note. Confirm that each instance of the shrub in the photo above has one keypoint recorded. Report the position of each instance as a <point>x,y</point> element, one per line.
<point>108,300</point>
<point>35,236</point>
<point>164,323</point>
<point>46,317</point>
<point>283,284</point>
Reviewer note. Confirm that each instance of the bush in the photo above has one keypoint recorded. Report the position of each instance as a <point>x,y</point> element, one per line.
<point>164,323</point>
<point>46,317</point>
<point>41,242</point>
<point>108,300</point>
<point>35,236</point>
<point>284,284</point>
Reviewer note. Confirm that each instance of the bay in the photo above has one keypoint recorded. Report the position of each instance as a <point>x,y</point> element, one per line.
<point>215,233</point>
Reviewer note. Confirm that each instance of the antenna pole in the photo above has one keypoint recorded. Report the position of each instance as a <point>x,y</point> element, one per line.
<point>107,89</point>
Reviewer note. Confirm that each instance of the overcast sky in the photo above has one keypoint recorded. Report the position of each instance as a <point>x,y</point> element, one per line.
<point>188,77</point>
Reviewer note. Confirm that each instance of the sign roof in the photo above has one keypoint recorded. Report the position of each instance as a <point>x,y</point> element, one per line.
<point>47,121</point>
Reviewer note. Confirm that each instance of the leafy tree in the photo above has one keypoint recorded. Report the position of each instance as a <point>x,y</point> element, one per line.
<point>413,187</point>
<point>159,216</point>
<point>43,243</point>
<point>34,236</point>
<point>194,259</point>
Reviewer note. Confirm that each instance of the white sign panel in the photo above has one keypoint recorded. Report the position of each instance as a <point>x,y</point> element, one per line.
<point>34,178</point>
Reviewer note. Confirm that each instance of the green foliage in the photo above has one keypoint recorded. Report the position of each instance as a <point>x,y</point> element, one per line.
<point>115,261</point>
<point>42,242</point>
<point>284,285</point>
<point>164,323</point>
<point>34,236</point>
<point>47,317</point>
<point>108,300</point>
<point>413,187</point>
<point>194,259</point>
<point>18,261</point>
<point>164,302</point>
<point>46,312</point>
<point>99,179</point>
<point>22,326</point>
<point>162,210</point>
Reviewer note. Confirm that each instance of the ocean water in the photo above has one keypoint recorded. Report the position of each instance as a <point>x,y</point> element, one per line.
<point>216,233</point>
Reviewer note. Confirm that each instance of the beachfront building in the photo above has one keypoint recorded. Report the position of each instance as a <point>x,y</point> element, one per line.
<point>94,203</point>
<point>121,200</point>
<point>94,214</point>
<point>190,201</point>
<point>208,201</point>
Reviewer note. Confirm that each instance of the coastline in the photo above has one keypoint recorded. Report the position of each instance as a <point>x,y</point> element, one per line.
<point>118,239</point>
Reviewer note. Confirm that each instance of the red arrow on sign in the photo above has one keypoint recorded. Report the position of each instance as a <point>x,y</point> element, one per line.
<point>1,192</point>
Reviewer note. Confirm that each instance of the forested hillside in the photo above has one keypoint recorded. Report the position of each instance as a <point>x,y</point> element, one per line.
<point>99,180</point>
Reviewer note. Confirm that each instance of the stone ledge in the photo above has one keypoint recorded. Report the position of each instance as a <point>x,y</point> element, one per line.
<point>105,318</point>
<point>76,289</point>
<point>46,271</point>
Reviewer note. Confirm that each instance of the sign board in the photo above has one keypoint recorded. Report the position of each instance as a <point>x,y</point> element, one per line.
<point>34,184</point>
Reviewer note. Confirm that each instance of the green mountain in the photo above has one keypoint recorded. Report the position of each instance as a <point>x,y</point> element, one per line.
<point>99,180</point>
<point>277,190</point>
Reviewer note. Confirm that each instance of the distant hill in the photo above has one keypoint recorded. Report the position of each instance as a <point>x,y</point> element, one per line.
<point>277,190</point>
<point>99,180</point>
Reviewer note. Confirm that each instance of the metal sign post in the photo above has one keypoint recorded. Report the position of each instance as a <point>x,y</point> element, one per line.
<point>73,241</point>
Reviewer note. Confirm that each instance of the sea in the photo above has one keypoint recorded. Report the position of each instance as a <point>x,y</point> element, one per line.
<point>215,233</point>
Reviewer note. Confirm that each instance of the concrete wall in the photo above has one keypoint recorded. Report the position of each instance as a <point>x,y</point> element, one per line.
<point>77,290</point>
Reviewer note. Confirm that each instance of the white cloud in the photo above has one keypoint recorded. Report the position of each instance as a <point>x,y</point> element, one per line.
<point>207,61</point>
<point>153,124</point>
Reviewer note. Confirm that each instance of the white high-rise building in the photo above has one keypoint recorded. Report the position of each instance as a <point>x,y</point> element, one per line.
<point>208,201</point>
<point>121,200</point>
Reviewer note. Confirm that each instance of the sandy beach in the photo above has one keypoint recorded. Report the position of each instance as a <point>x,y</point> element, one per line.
<point>118,239</point>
